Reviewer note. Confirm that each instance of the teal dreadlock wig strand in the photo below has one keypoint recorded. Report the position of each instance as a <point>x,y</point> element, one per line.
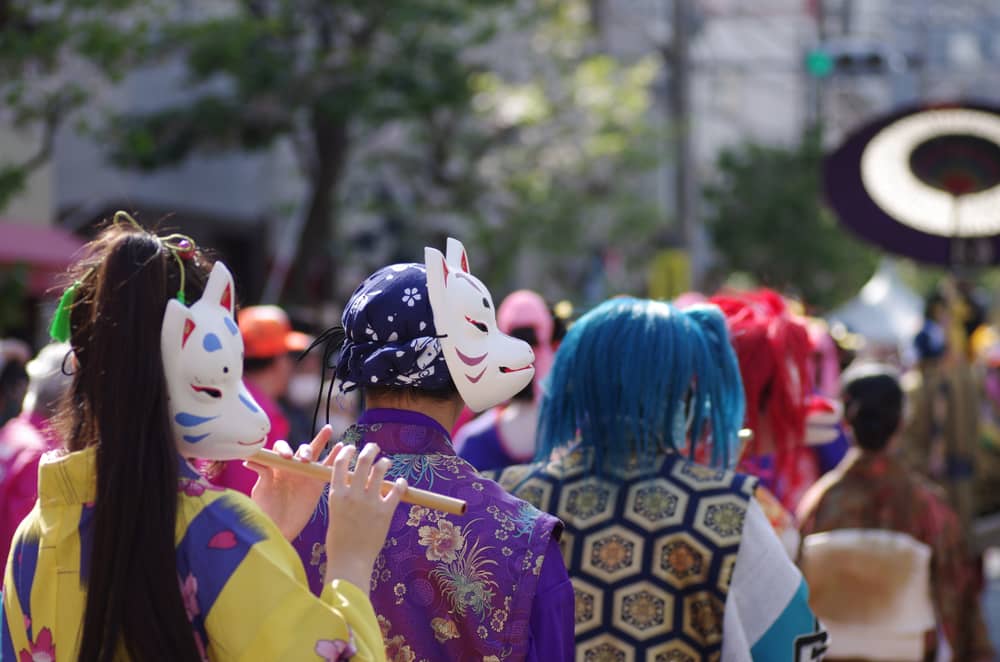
<point>635,377</point>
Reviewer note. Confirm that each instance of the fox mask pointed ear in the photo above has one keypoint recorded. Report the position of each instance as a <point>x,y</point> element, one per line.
<point>457,256</point>
<point>437,273</point>
<point>220,289</point>
<point>178,324</point>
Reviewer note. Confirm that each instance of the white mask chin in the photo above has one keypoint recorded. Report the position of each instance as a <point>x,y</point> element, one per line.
<point>487,366</point>
<point>213,415</point>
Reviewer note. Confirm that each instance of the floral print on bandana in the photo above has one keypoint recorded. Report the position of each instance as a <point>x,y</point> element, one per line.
<point>411,296</point>
<point>391,338</point>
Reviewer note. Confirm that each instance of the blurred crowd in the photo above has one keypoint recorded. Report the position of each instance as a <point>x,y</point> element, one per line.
<point>868,465</point>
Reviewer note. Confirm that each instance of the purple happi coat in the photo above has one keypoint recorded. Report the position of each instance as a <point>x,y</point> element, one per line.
<point>454,587</point>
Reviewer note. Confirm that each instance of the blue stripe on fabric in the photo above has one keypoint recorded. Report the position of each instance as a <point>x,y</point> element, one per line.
<point>6,644</point>
<point>25,562</point>
<point>796,620</point>
<point>85,530</point>
<point>219,537</point>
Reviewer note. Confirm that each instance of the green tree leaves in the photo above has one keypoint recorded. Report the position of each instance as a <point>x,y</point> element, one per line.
<point>767,219</point>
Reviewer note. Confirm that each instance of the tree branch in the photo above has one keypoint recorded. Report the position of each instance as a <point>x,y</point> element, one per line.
<point>305,150</point>
<point>50,123</point>
<point>257,8</point>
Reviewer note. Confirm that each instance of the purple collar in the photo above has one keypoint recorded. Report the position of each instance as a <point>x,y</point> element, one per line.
<point>404,431</point>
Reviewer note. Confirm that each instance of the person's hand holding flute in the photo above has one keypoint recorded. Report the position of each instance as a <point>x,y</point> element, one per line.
<point>319,472</point>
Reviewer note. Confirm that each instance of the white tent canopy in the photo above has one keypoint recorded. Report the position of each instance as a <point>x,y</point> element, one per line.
<point>886,311</point>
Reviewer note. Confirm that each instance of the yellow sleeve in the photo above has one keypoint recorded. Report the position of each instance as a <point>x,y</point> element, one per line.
<point>265,610</point>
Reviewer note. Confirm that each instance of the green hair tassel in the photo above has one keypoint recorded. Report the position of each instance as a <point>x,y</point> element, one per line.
<point>60,328</point>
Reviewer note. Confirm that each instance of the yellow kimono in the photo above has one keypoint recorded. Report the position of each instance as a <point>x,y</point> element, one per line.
<point>243,585</point>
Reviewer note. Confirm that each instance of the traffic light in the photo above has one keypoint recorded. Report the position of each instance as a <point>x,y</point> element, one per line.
<point>853,58</point>
<point>819,63</point>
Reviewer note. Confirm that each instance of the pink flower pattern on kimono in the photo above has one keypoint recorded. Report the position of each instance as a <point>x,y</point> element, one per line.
<point>189,593</point>
<point>43,649</point>
<point>443,543</point>
<point>336,650</point>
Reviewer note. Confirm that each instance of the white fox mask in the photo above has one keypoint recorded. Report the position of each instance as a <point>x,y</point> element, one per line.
<point>213,415</point>
<point>487,366</point>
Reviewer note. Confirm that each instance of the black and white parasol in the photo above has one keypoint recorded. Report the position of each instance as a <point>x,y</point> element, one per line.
<point>924,183</point>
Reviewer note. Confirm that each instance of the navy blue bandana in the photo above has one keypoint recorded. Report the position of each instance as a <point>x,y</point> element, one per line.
<point>391,339</point>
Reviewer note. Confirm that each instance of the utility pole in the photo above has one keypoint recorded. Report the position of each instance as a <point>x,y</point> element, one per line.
<point>846,16</point>
<point>677,55</point>
<point>815,83</point>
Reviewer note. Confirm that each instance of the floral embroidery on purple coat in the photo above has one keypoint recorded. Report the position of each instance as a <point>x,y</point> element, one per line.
<point>471,578</point>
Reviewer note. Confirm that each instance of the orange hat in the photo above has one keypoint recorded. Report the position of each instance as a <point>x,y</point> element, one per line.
<point>267,332</point>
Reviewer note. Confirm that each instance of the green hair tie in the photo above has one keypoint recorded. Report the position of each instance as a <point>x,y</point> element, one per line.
<point>180,246</point>
<point>60,330</point>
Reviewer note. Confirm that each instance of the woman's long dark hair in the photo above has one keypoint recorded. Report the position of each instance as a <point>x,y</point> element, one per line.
<point>118,402</point>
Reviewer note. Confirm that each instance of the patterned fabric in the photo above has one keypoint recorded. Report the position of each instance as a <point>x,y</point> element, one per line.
<point>650,556</point>
<point>391,338</point>
<point>768,618</point>
<point>472,578</point>
<point>23,440</point>
<point>243,587</point>
<point>876,491</point>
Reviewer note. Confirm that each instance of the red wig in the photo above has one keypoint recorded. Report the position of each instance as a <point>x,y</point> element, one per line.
<point>773,348</point>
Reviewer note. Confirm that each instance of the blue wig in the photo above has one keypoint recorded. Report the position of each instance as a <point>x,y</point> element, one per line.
<point>635,377</point>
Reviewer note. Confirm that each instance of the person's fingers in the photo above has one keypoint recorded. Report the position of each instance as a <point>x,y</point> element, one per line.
<point>328,460</point>
<point>282,448</point>
<point>395,495</point>
<point>363,467</point>
<point>378,472</point>
<point>341,469</point>
<point>304,453</point>
<point>260,469</point>
<point>320,441</point>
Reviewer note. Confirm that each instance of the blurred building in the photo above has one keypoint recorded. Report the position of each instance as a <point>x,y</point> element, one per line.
<point>35,204</point>
<point>746,80</point>
<point>931,51</point>
<point>226,201</point>
<point>749,79</point>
